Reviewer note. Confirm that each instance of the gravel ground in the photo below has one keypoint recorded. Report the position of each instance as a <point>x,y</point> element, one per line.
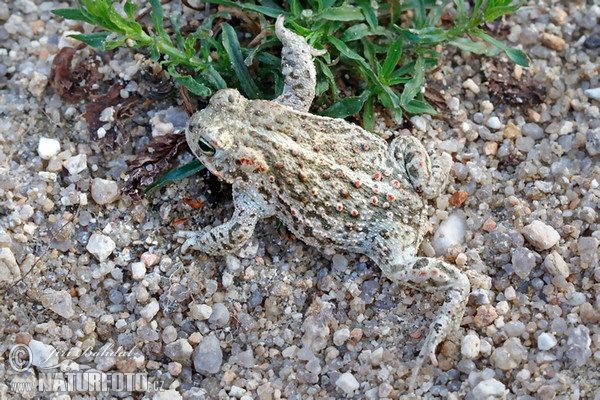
<point>93,279</point>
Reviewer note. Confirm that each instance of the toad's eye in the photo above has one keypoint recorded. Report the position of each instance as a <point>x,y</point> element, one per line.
<point>206,147</point>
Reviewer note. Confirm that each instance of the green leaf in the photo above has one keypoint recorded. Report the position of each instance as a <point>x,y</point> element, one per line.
<point>368,115</point>
<point>416,107</point>
<point>190,83</point>
<point>232,47</point>
<point>157,19</point>
<point>355,32</point>
<point>462,11</point>
<point>369,13</point>
<point>474,47</point>
<point>413,87</point>
<point>419,14</point>
<point>494,11</point>
<point>516,56</point>
<point>391,60</point>
<point>426,36</point>
<point>345,13</point>
<point>177,174</point>
<point>347,107</point>
<point>272,12</point>
<point>435,14</point>
<point>96,39</point>
<point>73,14</point>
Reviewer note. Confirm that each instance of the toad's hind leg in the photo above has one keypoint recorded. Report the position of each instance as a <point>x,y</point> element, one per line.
<point>435,276</point>
<point>297,68</point>
<point>427,176</point>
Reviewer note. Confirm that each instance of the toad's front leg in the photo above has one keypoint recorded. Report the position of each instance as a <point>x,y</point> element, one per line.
<point>233,234</point>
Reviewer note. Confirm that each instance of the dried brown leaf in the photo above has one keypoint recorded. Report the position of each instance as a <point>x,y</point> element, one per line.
<point>73,83</point>
<point>109,134</point>
<point>508,89</point>
<point>151,161</point>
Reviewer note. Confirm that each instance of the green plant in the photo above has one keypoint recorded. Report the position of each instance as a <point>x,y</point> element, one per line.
<point>387,59</point>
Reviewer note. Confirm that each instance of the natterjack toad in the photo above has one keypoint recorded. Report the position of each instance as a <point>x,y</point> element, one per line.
<point>330,182</point>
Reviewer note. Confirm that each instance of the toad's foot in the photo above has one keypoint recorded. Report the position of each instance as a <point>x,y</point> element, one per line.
<point>297,68</point>
<point>426,177</point>
<point>233,234</point>
<point>432,275</point>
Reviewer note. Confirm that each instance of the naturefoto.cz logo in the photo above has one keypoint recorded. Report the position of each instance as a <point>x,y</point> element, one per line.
<point>36,369</point>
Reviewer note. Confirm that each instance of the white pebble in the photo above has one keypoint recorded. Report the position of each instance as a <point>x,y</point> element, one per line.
<point>104,191</point>
<point>556,265</point>
<point>220,315</point>
<point>48,148</point>
<point>200,312</point>
<point>60,302</point>
<point>540,235</point>
<point>76,164</point>
<point>494,123</point>
<point>451,232</point>
<point>9,269</point>
<point>43,355</point>
<point>101,246</point>
<point>420,123</point>
<point>594,93</point>
<point>347,382</point>
<point>489,389</point>
<point>340,336</point>
<point>546,341</point>
<point>138,270</point>
<point>471,85</point>
<point>150,310</point>
<point>470,346</point>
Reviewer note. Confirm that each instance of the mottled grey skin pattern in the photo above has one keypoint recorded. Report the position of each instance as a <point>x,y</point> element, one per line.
<point>330,182</point>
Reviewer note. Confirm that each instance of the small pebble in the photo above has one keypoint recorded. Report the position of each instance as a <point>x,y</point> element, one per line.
<point>523,261</point>
<point>486,315</point>
<point>451,232</point>
<point>578,345</point>
<point>48,148</point>
<point>43,355</point>
<point>592,142</point>
<point>60,302</point>
<point>340,336</point>
<point>489,389</point>
<point>553,42</point>
<point>76,164</point>
<point>556,265</point>
<point>533,131</point>
<point>469,84</point>
<point>101,246</point>
<point>470,346</point>
<point>347,383</point>
<point>494,123</point>
<point>208,356</point>
<point>540,235</point>
<point>150,310</point>
<point>200,312</point>
<point>104,191</point>
<point>510,355</point>
<point>9,269</point>
<point>219,315</point>
<point>339,262</point>
<point>180,351</point>
<point>546,341</point>
<point>138,270</point>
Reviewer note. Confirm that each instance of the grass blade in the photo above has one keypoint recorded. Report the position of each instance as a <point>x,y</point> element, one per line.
<point>177,174</point>
<point>232,47</point>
